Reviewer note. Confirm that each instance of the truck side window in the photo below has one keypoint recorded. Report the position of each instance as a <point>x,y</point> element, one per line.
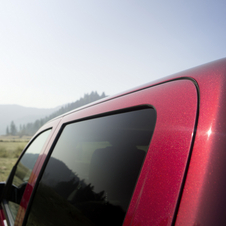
<point>92,172</point>
<point>23,171</point>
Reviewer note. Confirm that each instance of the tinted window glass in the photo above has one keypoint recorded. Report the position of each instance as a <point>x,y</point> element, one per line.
<point>24,169</point>
<point>92,172</point>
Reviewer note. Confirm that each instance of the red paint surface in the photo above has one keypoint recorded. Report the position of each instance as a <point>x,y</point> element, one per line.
<point>2,217</point>
<point>204,200</point>
<point>158,187</point>
<point>157,191</point>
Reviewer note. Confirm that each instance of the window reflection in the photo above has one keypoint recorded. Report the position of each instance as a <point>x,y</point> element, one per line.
<point>92,172</point>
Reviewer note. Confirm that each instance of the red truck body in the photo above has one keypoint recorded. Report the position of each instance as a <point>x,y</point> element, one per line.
<point>182,180</point>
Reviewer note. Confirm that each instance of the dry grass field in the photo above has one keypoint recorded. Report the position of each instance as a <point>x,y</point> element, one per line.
<point>10,149</point>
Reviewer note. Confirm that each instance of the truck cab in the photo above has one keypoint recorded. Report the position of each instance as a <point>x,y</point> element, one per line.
<point>153,155</point>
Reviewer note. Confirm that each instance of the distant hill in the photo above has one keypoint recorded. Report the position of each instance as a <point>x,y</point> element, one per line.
<point>21,115</point>
<point>31,125</point>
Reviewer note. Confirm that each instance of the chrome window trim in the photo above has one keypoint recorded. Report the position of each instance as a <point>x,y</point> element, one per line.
<point>8,213</point>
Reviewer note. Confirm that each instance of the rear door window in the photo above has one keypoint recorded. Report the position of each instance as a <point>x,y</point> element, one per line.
<point>92,173</point>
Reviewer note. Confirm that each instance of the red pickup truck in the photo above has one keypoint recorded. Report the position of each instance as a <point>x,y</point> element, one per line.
<point>155,155</point>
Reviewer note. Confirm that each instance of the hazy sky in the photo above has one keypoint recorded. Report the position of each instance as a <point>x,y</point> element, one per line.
<point>53,52</point>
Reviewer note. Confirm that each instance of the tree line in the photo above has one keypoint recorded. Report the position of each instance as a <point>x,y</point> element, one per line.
<point>30,129</point>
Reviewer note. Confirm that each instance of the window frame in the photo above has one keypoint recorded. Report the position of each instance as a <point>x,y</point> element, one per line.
<point>68,122</point>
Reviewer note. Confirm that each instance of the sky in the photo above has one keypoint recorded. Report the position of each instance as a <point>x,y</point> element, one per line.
<point>53,52</point>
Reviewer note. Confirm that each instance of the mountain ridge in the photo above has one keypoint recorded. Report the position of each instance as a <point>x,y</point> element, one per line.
<point>21,115</point>
<point>26,121</point>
